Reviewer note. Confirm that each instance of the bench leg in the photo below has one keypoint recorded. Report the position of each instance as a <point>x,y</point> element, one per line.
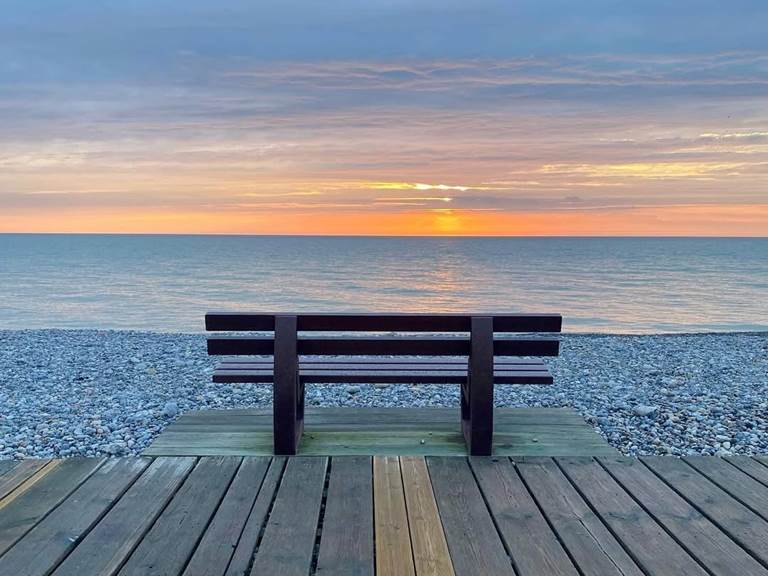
<point>477,394</point>
<point>299,410</point>
<point>288,392</point>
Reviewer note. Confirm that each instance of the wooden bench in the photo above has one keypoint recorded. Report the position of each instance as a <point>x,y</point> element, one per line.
<point>427,349</point>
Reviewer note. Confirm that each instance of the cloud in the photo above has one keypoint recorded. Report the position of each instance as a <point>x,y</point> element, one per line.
<point>398,199</point>
<point>420,186</point>
<point>722,70</point>
<point>217,110</point>
<point>648,170</point>
<point>749,136</point>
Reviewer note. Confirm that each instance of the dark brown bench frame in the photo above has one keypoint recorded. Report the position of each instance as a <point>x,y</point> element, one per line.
<point>476,376</point>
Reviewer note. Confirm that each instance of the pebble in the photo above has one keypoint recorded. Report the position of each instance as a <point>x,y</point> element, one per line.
<point>103,393</point>
<point>642,410</point>
<point>170,410</point>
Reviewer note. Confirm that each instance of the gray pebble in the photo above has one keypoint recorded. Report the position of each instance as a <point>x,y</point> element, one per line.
<point>643,410</point>
<point>170,410</point>
<point>89,392</point>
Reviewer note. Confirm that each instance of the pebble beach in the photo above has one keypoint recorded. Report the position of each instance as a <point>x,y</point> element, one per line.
<point>66,393</point>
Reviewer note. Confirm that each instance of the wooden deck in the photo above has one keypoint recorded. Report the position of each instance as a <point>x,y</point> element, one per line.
<point>381,431</point>
<point>399,516</point>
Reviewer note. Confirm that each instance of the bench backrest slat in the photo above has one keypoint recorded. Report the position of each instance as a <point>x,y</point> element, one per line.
<point>335,322</point>
<point>394,346</point>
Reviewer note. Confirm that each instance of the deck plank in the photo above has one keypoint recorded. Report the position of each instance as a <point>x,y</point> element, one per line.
<point>104,550</point>
<point>650,545</point>
<point>375,417</point>
<point>701,538</point>
<point>394,556</point>
<point>474,544</point>
<point>611,516</point>
<point>750,466</point>
<point>49,486</point>
<point>381,431</point>
<point>289,536</point>
<point>730,515</point>
<point>419,442</point>
<point>430,549</point>
<point>45,545</point>
<point>591,545</point>
<point>240,562</point>
<point>23,479</point>
<point>741,486</point>
<point>346,543</point>
<point>220,540</point>
<point>185,518</point>
<point>519,520</point>
<point>16,473</point>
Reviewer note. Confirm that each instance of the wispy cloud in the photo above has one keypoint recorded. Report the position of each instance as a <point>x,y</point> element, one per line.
<point>420,186</point>
<point>416,199</point>
<point>738,136</point>
<point>648,170</point>
<point>726,71</point>
<point>221,111</point>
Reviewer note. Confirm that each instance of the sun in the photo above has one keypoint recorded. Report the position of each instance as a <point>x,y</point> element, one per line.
<point>447,221</point>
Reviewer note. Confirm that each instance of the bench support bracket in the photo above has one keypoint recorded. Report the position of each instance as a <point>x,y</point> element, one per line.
<point>477,393</point>
<point>288,402</point>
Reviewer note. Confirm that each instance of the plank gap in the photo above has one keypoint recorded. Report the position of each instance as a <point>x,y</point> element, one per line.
<point>101,516</point>
<point>320,519</point>
<point>546,518</point>
<point>611,529</point>
<point>499,533</point>
<point>266,517</point>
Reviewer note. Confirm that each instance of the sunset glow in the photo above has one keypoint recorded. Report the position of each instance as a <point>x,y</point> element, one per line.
<point>299,130</point>
<point>683,220</point>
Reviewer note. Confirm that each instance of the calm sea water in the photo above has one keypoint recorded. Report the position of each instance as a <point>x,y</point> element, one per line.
<point>599,285</point>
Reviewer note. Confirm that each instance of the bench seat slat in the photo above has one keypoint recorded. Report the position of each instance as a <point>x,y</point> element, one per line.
<point>384,376</point>
<point>368,360</point>
<point>384,367</point>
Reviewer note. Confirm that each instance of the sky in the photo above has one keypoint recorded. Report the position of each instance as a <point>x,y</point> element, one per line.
<point>385,117</point>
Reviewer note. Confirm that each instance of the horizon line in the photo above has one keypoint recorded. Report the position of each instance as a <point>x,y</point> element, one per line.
<point>493,236</point>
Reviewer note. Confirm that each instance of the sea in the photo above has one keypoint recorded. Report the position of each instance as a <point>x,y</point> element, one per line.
<point>167,282</point>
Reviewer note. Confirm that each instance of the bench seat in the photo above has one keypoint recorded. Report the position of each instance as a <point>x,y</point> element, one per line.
<point>473,351</point>
<point>380,370</point>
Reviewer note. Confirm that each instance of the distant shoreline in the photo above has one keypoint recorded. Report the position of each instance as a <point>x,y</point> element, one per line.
<point>426,236</point>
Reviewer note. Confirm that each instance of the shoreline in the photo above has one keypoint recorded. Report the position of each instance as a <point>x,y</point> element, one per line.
<point>88,392</point>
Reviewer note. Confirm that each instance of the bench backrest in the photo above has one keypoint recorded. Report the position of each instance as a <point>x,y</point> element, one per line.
<point>480,327</point>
